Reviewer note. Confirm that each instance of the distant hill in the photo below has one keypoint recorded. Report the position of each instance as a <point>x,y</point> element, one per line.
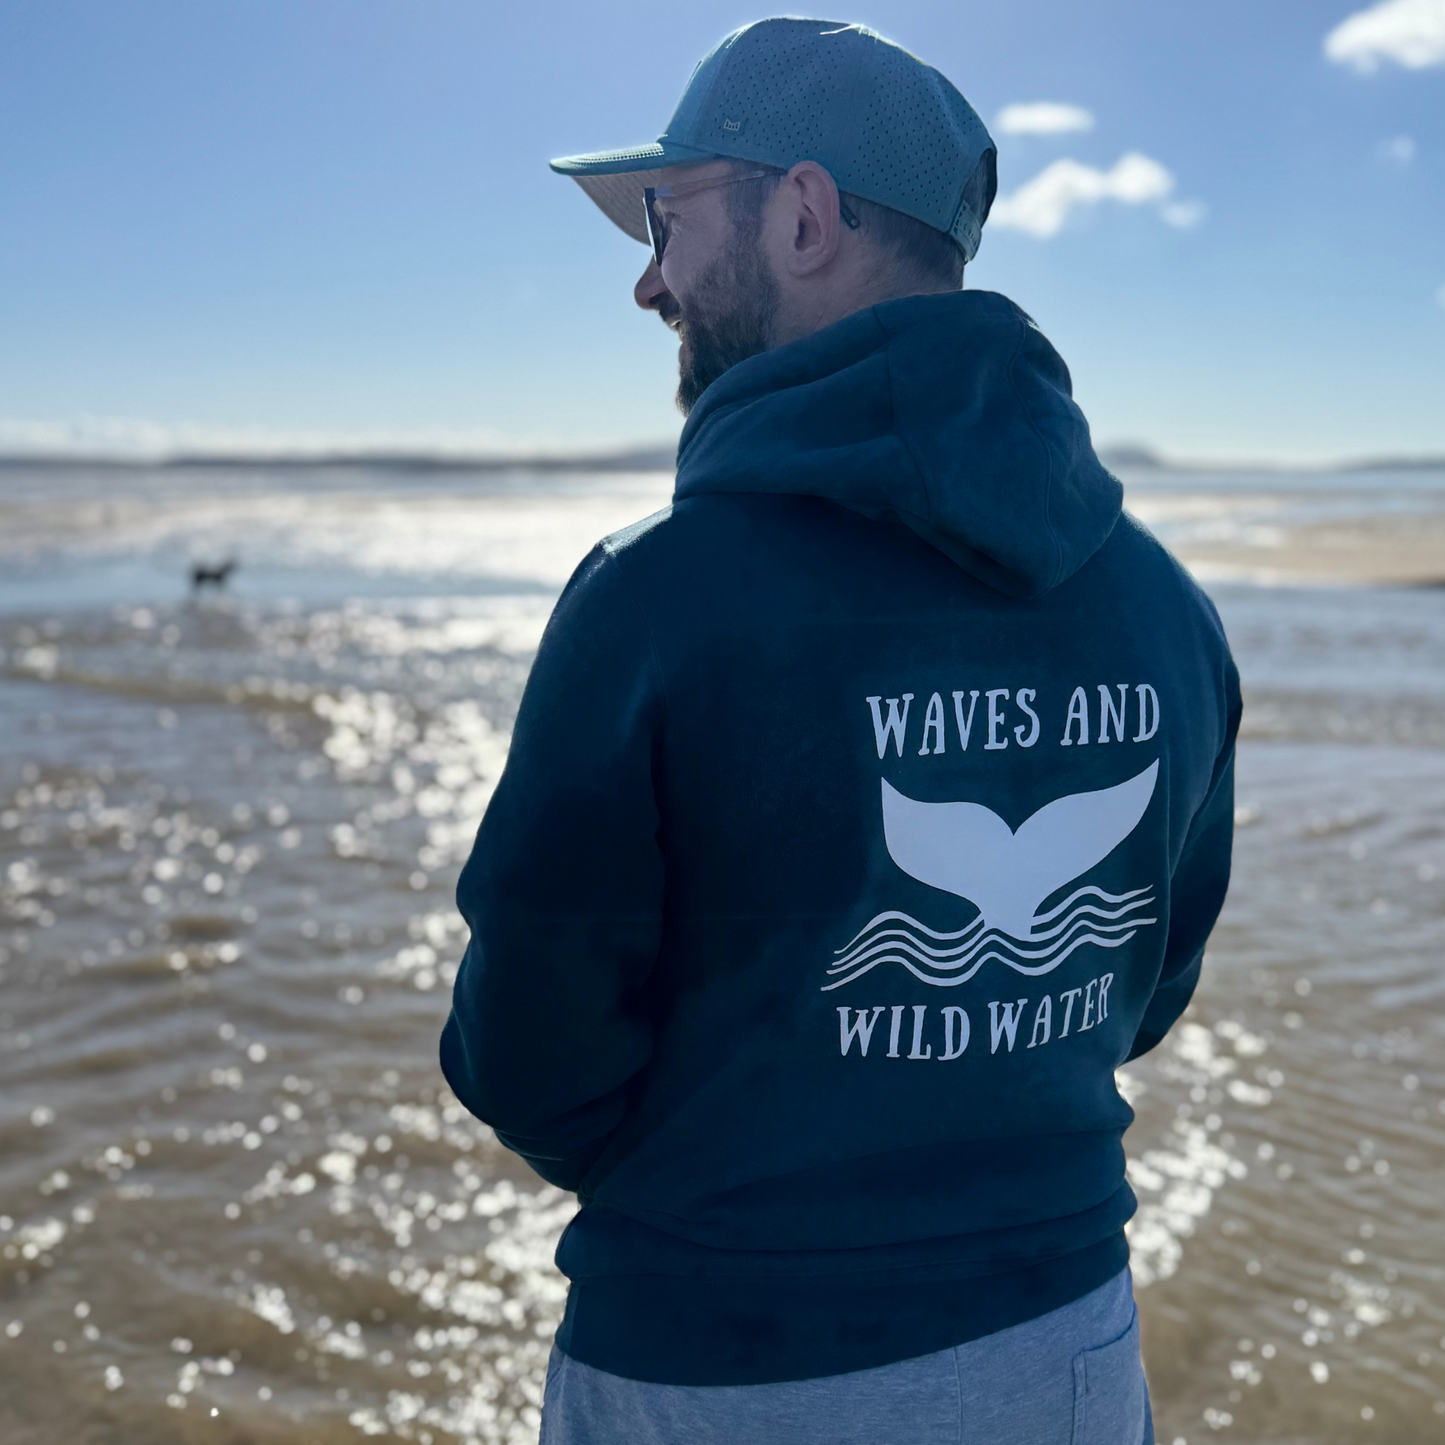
<point>1137,457</point>
<point>1395,464</point>
<point>661,458</point>
<point>1131,456</point>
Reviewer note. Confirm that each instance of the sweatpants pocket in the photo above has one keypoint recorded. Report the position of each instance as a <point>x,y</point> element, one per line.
<point>1109,1392</point>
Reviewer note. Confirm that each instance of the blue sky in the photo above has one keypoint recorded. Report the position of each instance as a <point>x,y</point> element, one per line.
<point>334,217</point>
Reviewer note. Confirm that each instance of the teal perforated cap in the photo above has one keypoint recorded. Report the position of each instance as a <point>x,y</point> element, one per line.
<point>886,126</point>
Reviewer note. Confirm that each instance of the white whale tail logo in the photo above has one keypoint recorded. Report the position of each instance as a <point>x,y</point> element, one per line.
<point>967,849</point>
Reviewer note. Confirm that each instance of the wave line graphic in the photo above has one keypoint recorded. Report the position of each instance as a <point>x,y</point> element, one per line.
<point>894,937</point>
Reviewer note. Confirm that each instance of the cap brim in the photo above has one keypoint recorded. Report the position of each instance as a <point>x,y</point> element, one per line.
<point>615,180</point>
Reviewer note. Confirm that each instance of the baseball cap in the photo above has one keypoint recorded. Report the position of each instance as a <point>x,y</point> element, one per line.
<point>887,127</point>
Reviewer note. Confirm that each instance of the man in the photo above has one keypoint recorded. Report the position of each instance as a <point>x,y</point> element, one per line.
<point>865,810</point>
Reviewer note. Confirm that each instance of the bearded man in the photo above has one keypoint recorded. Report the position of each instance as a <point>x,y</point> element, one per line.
<point>866,809</point>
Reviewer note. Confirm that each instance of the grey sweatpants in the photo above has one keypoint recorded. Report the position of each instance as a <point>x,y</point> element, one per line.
<point>1071,1377</point>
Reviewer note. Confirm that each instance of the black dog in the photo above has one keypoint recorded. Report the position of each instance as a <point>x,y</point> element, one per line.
<point>204,575</point>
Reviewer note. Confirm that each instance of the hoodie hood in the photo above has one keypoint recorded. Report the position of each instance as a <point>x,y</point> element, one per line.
<point>951,414</point>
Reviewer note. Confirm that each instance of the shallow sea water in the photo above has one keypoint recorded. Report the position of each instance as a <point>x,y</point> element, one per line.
<point>237,1202</point>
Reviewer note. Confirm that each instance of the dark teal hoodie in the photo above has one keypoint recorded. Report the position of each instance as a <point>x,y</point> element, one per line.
<point>865,810</point>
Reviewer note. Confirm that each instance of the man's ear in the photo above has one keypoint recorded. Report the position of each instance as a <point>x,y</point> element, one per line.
<point>807,199</point>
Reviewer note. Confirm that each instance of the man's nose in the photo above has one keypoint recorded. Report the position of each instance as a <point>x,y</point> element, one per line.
<point>651,288</point>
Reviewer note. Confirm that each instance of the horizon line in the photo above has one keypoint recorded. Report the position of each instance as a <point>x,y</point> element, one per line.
<point>657,456</point>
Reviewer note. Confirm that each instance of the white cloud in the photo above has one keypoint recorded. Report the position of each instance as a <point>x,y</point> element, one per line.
<point>1184,215</point>
<point>1398,150</point>
<point>1040,207</point>
<point>1043,117</point>
<point>1409,32</point>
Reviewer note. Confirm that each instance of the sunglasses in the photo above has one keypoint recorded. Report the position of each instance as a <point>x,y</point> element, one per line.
<point>657,223</point>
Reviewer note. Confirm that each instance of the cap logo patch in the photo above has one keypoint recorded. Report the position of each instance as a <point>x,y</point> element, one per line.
<point>732,125</point>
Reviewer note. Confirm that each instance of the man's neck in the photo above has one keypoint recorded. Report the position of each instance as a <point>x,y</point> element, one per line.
<point>815,313</point>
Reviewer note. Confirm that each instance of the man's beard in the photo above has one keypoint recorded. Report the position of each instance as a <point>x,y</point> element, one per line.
<point>727,318</point>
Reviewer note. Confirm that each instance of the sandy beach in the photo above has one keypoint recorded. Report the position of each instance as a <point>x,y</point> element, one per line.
<point>1394,552</point>
<point>1384,528</point>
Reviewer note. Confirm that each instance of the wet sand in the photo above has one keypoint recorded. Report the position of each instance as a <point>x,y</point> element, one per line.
<point>1397,553</point>
<point>1377,529</point>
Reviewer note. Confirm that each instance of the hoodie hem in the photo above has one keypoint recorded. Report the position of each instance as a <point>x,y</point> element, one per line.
<point>674,1330</point>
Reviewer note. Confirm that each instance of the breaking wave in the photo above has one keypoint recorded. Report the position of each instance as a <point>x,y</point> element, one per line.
<point>1086,916</point>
